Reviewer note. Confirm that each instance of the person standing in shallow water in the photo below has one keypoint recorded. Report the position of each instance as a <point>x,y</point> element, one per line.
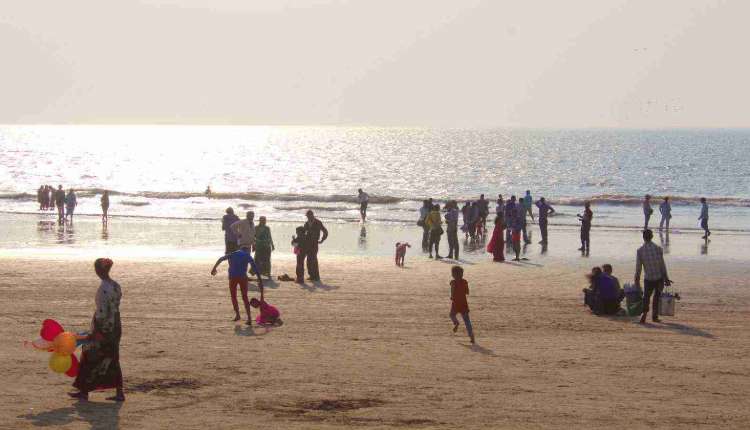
<point>230,238</point>
<point>647,211</point>
<point>313,230</point>
<point>585,219</point>
<point>666,213</point>
<point>71,201</point>
<point>100,360</point>
<point>364,199</point>
<point>703,218</point>
<point>60,203</point>
<point>424,211</point>
<point>544,211</point>
<point>435,225</point>
<point>105,207</point>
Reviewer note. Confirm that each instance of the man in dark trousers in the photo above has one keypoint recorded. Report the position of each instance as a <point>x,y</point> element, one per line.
<point>60,203</point>
<point>230,239</point>
<point>313,228</point>
<point>650,258</point>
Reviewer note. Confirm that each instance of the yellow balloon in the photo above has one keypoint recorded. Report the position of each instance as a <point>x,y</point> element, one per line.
<point>65,343</point>
<point>60,363</point>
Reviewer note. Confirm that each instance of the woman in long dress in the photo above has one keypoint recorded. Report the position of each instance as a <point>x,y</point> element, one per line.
<point>100,360</point>
<point>497,244</point>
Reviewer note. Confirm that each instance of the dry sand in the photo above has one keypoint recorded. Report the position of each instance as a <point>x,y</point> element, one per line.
<point>373,348</point>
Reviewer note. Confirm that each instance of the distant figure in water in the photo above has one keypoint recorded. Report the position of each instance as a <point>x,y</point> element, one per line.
<point>647,211</point>
<point>238,262</point>
<point>497,242</point>
<point>208,191</point>
<point>459,303</point>
<point>71,201</point>
<point>263,247</point>
<point>40,197</point>
<point>230,238</point>
<point>60,203</point>
<point>363,198</point>
<point>585,219</point>
<point>51,197</point>
<point>509,211</point>
<point>704,218</point>
<point>528,202</point>
<point>401,253</point>
<point>544,211</point>
<point>424,211</point>
<point>105,206</point>
<point>666,213</point>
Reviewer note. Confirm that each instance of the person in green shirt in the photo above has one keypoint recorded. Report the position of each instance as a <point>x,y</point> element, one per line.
<point>263,247</point>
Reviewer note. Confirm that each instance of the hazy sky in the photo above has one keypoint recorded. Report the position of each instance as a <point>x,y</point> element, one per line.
<point>572,63</point>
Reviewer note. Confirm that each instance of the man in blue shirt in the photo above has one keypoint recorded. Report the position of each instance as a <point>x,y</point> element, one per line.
<point>238,262</point>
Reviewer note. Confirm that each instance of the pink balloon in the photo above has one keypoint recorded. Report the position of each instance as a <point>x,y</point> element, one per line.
<point>74,366</point>
<point>50,330</point>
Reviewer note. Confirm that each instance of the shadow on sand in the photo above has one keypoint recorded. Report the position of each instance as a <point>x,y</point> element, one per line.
<point>313,286</point>
<point>480,349</point>
<point>680,329</point>
<point>99,415</point>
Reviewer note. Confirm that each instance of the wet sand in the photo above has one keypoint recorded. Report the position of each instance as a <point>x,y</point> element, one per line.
<point>372,347</point>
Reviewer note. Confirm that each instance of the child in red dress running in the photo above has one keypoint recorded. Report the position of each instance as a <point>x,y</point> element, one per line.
<point>459,304</point>
<point>269,315</point>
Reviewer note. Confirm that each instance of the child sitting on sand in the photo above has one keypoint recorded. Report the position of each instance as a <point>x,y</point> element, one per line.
<point>401,253</point>
<point>299,244</point>
<point>459,304</point>
<point>269,315</point>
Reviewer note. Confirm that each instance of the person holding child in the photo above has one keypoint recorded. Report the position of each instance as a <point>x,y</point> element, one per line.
<point>459,303</point>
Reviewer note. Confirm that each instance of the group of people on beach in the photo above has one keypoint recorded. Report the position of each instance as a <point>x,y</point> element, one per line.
<point>665,209</point>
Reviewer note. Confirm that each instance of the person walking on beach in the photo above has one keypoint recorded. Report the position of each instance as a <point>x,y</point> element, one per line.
<point>105,207</point>
<point>459,303</point>
<point>585,219</point>
<point>528,202</point>
<point>244,230</point>
<point>650,259</point>
<point>363,198</point>
<point>500,206</point>
<point>544,211</point>
<point>510,208</point>
<point>451,223</point>
<point>60,203</point>
<point>518,223</point>
<point>435,225</point>
<point>313,229</point>
<point>647,211</point>
<point>99,368</point>
<point>51,197</point>
<point>71,201</point>
<point>704,219</point>
<point>40,197</point>
<point>424,211</point>
<point>263,247</point>
<point>230,238</point>
<point>666,213</point>
<point>496,245</point>
<point>483,206</point>
<point>238,262</point>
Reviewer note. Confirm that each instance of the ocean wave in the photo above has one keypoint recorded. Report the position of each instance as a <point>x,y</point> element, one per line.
<point>137,204</point>
<point>607,199</point>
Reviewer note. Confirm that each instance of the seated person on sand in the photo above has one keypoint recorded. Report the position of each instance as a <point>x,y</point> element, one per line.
<point>269,315</point>
<point>602,297</point>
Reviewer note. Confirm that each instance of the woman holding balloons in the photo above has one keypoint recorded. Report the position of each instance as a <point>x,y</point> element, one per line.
<point>100,361</point>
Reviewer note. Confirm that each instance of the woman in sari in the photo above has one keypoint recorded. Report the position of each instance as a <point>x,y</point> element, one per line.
<point>100,360</point>
<point>497,244</point>
<point>263,247</point>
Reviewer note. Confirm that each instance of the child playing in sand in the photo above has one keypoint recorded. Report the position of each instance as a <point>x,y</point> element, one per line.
<point>459,304</point>
<point>401,253</point>
<point>269,315</point>
<point>299,244</point>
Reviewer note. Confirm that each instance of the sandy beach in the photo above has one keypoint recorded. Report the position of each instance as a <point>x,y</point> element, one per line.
<point>372,347</point>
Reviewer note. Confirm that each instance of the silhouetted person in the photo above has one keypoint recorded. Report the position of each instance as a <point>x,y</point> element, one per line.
<point>313,229</point>
<point>60,203</point>
<point>647,211</point>
<point>704,218</point>
<point>364,199</point>
<point>666,213</point>
<point>230,238</point>
<point>585,219</point>
<point>544,211</point>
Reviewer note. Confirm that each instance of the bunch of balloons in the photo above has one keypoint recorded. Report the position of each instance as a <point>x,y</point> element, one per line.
<point>62,344</point>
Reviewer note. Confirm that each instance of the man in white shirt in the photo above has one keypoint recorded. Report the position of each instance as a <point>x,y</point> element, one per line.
<point>363,199</point>
<point>245,231</point>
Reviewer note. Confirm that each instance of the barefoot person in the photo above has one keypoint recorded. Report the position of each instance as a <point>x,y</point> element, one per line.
<point>313,229</point>
<point>60,203</point>
<point>704,219</point>
<point>105,206</point>
<point>230,238</point>
<point>585,219</point>
<point>363,198</point>
<point>263,247</point>
<point>238,262</point>
<point>244,230</point>
<point>459,304</point>
<point>71,201</point>
<point>497,242</point>
<point>544,211</point>
<point>100,360</point>
<point>665,208</point>
<point>650,259</point>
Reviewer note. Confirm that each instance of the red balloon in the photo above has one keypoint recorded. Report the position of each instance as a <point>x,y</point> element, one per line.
<point>74,365</point>
<point>50,330</point>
